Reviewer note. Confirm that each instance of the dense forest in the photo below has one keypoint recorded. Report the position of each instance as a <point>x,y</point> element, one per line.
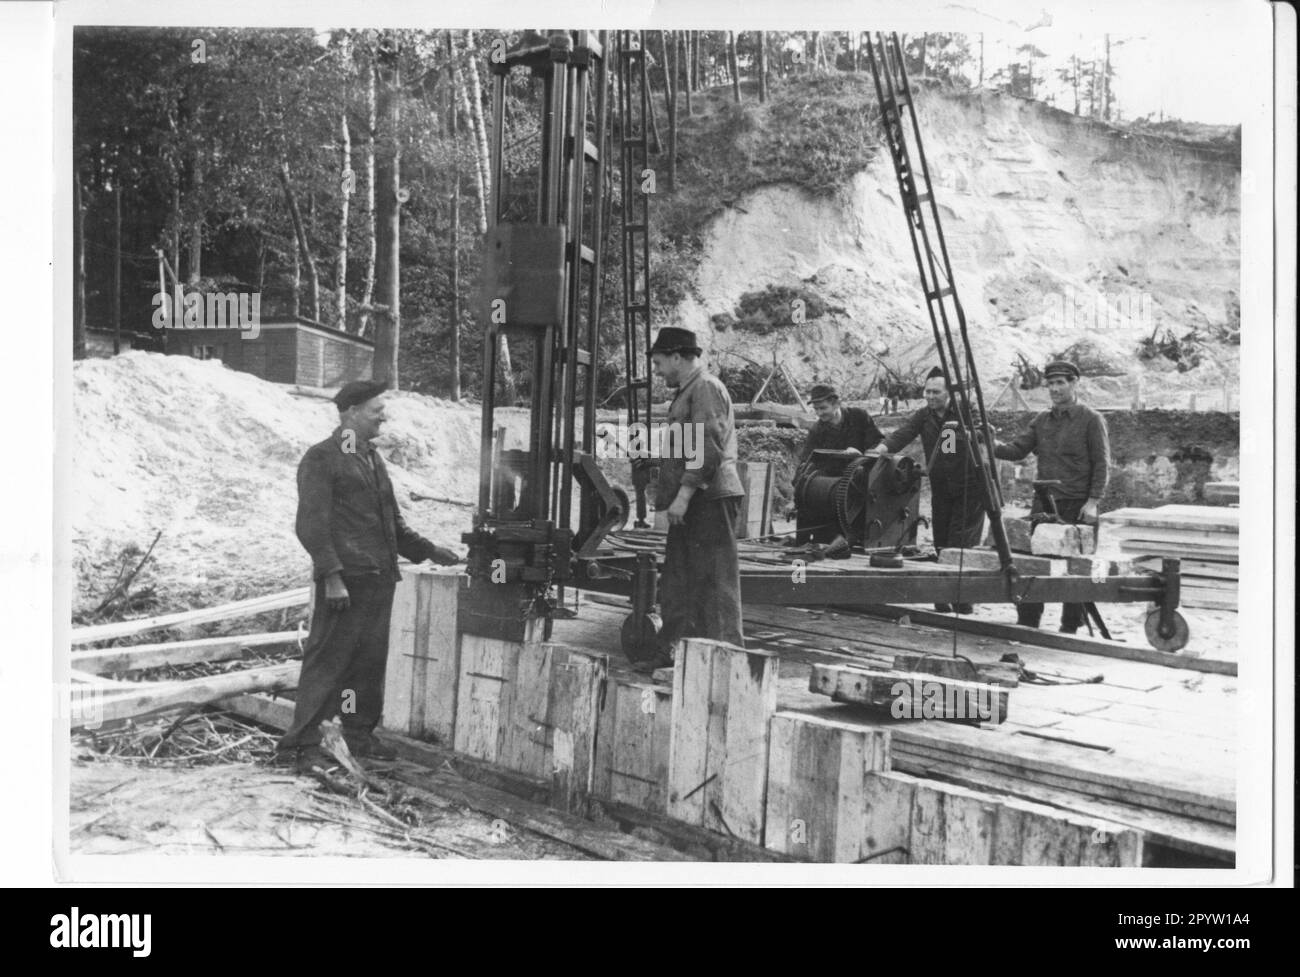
<point>342,175</point>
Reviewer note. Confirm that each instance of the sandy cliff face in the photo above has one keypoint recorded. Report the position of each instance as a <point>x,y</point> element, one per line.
<point>1059,230</point>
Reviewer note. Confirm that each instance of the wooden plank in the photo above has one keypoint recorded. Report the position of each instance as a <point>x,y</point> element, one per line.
<point>955,825</point>
<point>399,679</point>
<point>723,700</point>
<point>525,731</point>
<point>689,747</point>
<point>578,681</point>
<point>1050,639</point>
<point>984,559</point>
<point>632,750</point>
<point>439,645</point>
<point>911,695</point>
<point>1180,791</point>
<point>155,697</point>
<point>297,597</point>
<point>108,661</point>
<point>887,819</point>
<point>751,702</point>
<point>484,694</point>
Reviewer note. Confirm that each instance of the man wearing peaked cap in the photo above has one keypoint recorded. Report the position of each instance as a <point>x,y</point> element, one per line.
<point>838,428</point>
<point>1073,447</point>
<point>956,494</point>
<point>349,523</point>
<point>699,588</point>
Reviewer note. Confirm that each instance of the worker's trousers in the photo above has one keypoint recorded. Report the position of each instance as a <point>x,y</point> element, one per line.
<point>699,589</point>
<point>956,522</point>
<point>343,663</point>
<point>1071,614</point>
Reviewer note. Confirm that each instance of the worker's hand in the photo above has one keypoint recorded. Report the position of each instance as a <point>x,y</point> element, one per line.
<point>677,511</point>
<point>1089,513</point>
<point>336,593</point>
<point>442,556</point>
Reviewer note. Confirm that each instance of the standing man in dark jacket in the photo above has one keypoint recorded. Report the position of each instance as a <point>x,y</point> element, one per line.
<point>699,486</point>
<point>838,428</point>
<point>956,497</point>
<point>1073,446</point>
<point>349,523</point>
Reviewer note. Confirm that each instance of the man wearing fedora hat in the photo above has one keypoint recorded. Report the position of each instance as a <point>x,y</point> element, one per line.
<point>1073,447</point>
<point>838,428</point>
<point>699,589</point>
<point>349,523</point>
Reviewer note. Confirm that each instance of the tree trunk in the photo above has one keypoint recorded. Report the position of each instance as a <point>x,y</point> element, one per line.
<point>196,230</point>
<point>476,105</point>
<point>79,271</point>
<point>482,164</point>
<point>925,43</point>
<point>857,45</point>
<point>295,306</point>
<point>1074,80</point>
<point>117,266</point>
<point>300,233</point>
<point>733,64</point>
<point>454,317</point>
<point>670,102</point>
<point>762,66</point>
<point>1105,80</point>
<point>345,186</point>
<point>981,81</point>
<point>683,77</point>
<point>388,271</point>
<point>368,294</point>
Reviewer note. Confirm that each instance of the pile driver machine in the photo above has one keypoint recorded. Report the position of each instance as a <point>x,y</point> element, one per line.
<point>533,539</point>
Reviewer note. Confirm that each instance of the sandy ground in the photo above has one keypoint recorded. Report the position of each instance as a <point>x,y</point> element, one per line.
<point>122,808</point>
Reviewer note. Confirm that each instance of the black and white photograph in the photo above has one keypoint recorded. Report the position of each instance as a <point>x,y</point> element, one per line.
<point>730,442</point>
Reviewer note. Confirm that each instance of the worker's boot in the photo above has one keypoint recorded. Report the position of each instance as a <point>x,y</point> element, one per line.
<point>964,608</point>
<point>943,608</point>
<point>368,747</point>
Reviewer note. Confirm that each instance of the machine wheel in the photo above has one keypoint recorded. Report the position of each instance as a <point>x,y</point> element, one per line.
<point>640,637</point>
<point>1172,642</point>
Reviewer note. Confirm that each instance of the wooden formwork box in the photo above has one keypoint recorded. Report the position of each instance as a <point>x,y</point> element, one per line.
<point>528,706</point>
<point>423,673</point>
<point>818,798</point>
<point>724,698</point>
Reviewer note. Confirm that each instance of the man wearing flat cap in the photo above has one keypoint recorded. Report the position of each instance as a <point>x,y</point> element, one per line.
<point>956,496</point>
<point>699,589</point>
<point>349,523</point>
<point>1073,446</point>
<point>838,428</point>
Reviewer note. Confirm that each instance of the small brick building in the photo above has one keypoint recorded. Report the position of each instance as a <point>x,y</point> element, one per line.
<point>284,350</point>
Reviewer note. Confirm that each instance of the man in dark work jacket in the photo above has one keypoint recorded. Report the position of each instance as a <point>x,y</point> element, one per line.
<point>1072,446</point>
<point>699,589</point>
<point>349,523</point>
<point>838,428</point>
<point>956,499</point>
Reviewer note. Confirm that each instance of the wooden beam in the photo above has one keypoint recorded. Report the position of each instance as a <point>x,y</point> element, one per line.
<point>155,697</point>
<point>1048,639</point>
<point>911,695</point>
<point>240,608</point>
<point>106,661</point>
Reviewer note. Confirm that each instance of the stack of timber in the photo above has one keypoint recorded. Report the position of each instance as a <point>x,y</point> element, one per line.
<point>96,701</point>
<point>1204,538</point>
